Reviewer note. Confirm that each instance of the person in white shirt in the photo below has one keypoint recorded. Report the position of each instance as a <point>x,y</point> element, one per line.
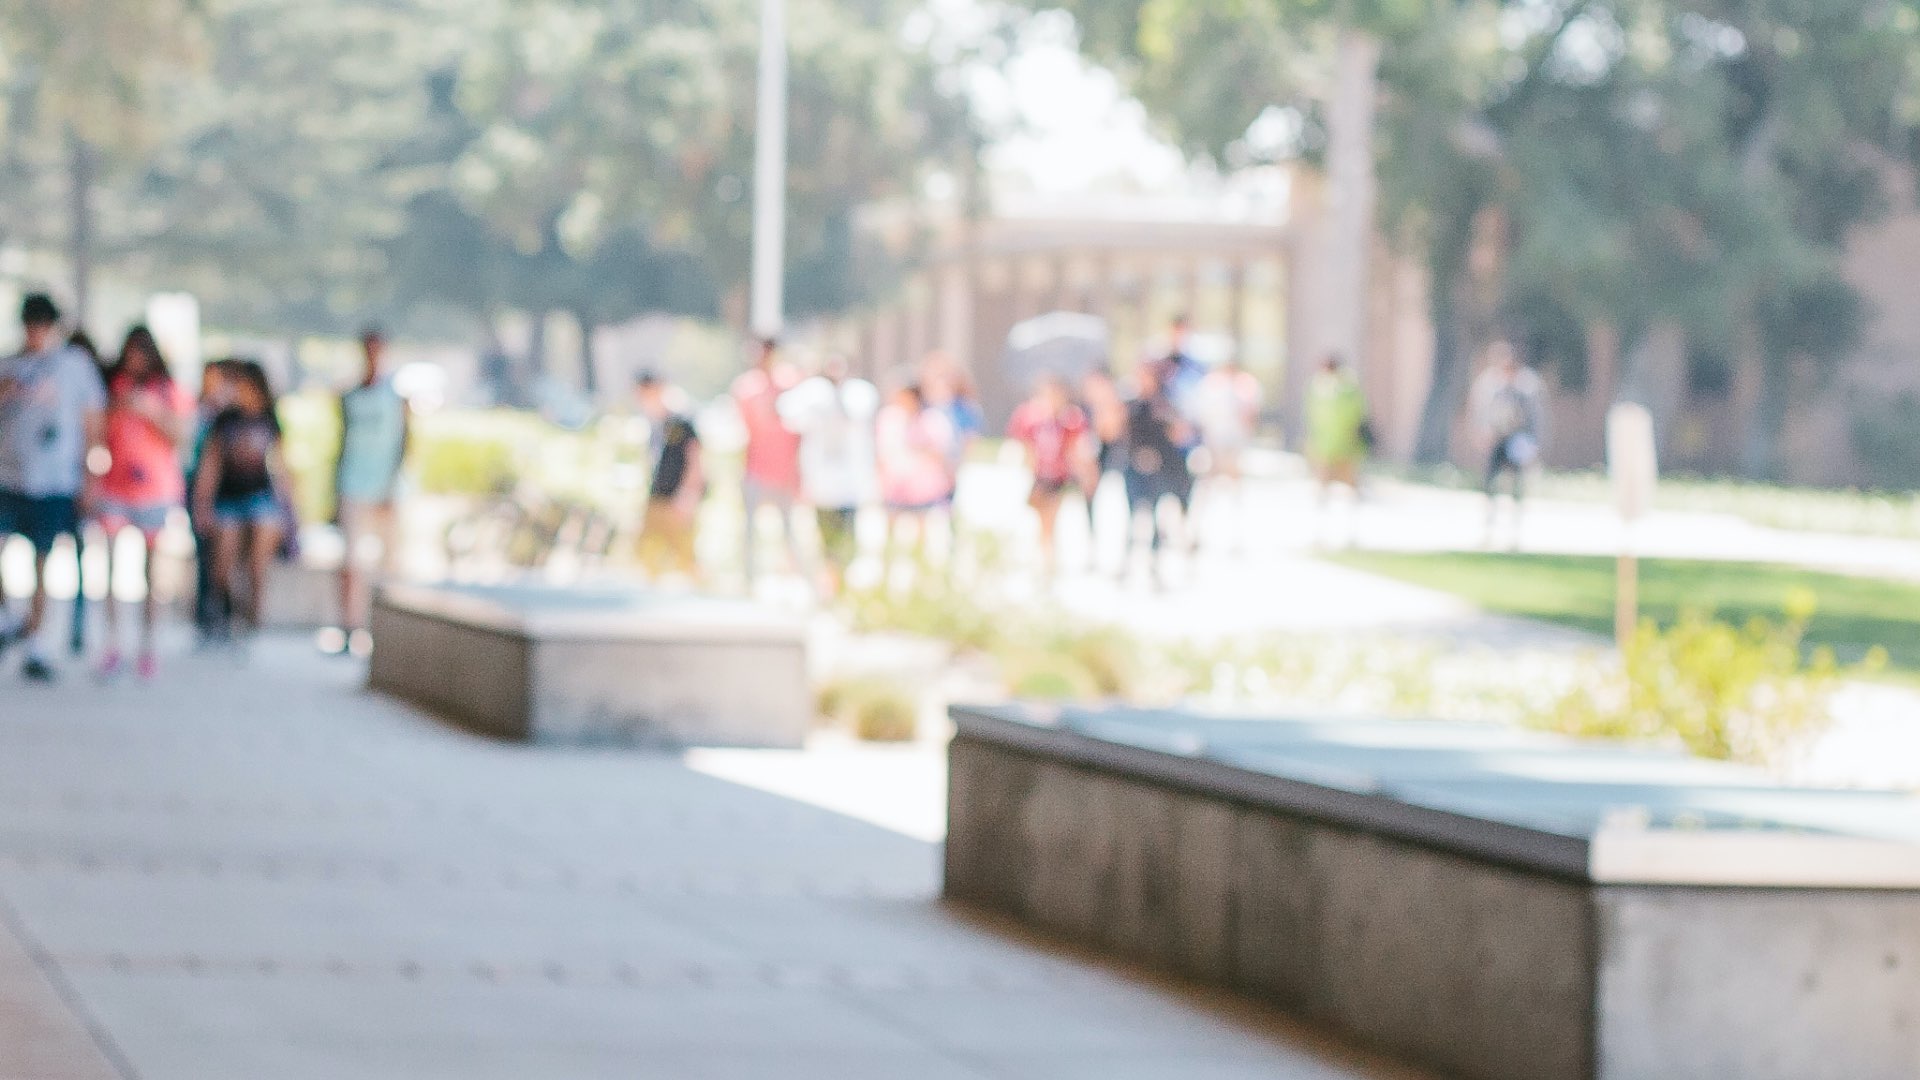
<point>833,414</point>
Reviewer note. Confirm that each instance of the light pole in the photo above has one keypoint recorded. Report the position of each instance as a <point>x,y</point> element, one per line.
<point>767,314</point>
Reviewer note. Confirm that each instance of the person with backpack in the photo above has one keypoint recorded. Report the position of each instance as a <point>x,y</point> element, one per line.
<point>1508,417</point>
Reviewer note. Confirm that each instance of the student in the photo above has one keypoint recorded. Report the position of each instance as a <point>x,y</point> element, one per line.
<point>1226,414</point>
<point>1157,470</point>
<point>242,485</point>
<point>216,394</point>
<point>773,452</point>
<point>1051,428</point>
<point>52,415</point>
<point>147,417</point>
<point>374,425</point>
<point>667,533</point>
<point>914,444</point>
<point>1507,414</point>
<point>1338,432</point>
<point>833,413</point>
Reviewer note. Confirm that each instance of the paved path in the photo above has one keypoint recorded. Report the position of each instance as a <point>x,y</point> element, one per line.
<point>267,874</point>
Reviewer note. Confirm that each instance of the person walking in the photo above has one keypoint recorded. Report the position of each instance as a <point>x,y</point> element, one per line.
<point>833,413</point>
<point>52,415</point>
<point>1226,413</point>
<point>1338,432</point>
<point>1051,428</point>
<point>374,428</point>
<point>216,395</point>
<point>240,491</point>
<point>1106,413</point>
<point>1156,465</point>
<point>147,418</point>
<point>773,452</point>
<point>1507,414</point>
<point>668,531</point>
<point>914,445</point>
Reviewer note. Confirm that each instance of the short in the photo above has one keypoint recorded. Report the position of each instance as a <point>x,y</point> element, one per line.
<point>259,508</point>
<point>1148,489</point>
<point>1048,491</point>
<point>42,519</point>
<point>839,538</point>
<point>1341,471</point>
<point>151,519</point>
<point>666,541</point>
<point>364,520</point>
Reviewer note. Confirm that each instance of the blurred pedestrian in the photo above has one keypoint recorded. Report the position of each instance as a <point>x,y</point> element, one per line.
<point>834,414</point>
<point>148,416</point>
<point>1106,451</point>
<point>241,492</point>
<point>1157,469</point>
<point>1226,413</point>
<point>1339,435</point>
<point>1051,428</point>
<point>374,427</point>
<point>669,531</point>
<point>914,445</point>
<point>946,389</point>
<point>1507,415</point>
<point>216,395</point>
<point>773,452</point>
<point>52,415</point>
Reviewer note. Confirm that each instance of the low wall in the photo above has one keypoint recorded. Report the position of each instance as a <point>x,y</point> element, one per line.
<point>1411,906</point>
<point>594,668</point>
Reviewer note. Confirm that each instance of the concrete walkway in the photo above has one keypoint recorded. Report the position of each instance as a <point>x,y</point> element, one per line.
<point>264,873</point>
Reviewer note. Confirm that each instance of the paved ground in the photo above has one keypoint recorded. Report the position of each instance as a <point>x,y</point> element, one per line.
<point>264,873</point>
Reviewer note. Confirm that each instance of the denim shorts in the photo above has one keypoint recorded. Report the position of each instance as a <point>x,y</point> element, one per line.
<point>42,519</point>
<point>151,519</point>
<point>260,508</point>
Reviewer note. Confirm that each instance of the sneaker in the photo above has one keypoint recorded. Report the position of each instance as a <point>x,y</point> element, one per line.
<point>37,670</point>
<point>110,665</point>
<point>148,667</point>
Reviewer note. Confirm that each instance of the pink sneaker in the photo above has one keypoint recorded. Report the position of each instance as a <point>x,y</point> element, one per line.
<point>109,665</point>
<point>149,667</point>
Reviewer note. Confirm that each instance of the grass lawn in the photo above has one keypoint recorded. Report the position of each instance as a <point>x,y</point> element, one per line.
<point>1854,614</point>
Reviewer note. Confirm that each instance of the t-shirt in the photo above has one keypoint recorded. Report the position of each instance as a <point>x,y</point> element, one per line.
<point>914,449</point>
<point>1224,405</point>
<point>835,425</point>
<point>1151,447</point>
<point>773,451</point>
<point>674,440</point>
<point>243,443</point>
<point>43,421</point>
<point>373,441</point>
<point>145,469</point>
<point>1335,412</point>
<point>1051,436</point>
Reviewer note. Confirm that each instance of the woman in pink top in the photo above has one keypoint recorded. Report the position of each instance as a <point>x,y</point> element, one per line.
<point>913,445</point>
<point>147,414</point>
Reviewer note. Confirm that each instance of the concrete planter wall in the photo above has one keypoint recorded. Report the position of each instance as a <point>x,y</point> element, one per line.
<point>1409,908</point>
<point>594,668</point>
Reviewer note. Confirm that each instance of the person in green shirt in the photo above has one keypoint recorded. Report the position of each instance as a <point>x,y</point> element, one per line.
<point>1339,435</point>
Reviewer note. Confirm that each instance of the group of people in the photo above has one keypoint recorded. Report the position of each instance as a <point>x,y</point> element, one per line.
<point>836,443</point>
<point>828,441</point>
<point>120,445</point>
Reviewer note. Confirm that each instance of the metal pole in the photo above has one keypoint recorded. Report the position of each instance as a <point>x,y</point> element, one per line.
<point>770,175</point>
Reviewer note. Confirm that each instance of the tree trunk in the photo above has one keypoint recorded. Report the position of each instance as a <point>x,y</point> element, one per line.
<point>589,361</point>
<point>1452,371</point>
<point>1349,236</point>
<point>80,181</point>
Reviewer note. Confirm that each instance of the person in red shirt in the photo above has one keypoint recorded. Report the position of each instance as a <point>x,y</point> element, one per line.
<point>147,415</point>
<point>773,450</point>
<point>1053,429</point>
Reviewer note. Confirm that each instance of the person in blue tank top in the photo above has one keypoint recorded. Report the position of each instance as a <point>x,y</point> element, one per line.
<point>374,422</point>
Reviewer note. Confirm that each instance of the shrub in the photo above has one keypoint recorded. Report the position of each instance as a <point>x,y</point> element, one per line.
<point>877,709</point>
<point>1739,693</point>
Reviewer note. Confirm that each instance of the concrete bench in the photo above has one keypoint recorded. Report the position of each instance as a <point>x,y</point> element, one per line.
<point>594,666</point>
<point>1489,903</point>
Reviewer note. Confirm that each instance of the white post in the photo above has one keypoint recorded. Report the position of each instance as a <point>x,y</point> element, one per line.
<point>770,175</point>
